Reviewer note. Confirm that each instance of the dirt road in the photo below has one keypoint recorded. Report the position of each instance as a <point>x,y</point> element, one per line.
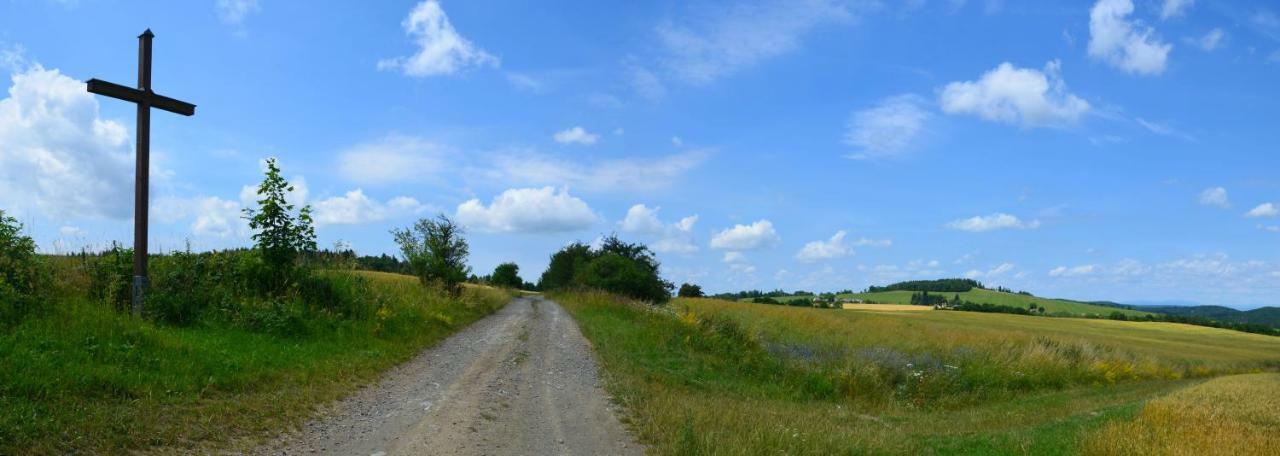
<point>522,381</point>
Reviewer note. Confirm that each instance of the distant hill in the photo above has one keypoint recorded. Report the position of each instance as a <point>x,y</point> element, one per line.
<point>1269,316</point>
<point>984,296</point>
<point>932,286</point>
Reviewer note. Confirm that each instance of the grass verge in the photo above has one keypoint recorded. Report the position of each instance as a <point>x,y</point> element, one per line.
<point>716,377</point>
<point>82,378</point>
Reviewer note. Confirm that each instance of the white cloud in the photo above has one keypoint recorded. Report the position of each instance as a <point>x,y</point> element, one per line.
<point>1215,196</point>
<point>57,156</point>
<point>734,257</point>
<point>641,219</point>
<point>441,50</point>
<point>1175,8</point>
<point>576,135</point>
<point>755,236</point>
<point>1127,45</point>
<point>356,208</point>
<point>210,216</point>
<point>608,175</point>
<point>676,141</point>
<point>525,82</point>
<point>1209,41</point>
<point>865,242</point>
<point>70,231</point>
<point>887,129</point>
<point>1063,271</point>
<point>529,210</point>
<point>720,42</point>
<point>233,12</point>
<point>393,158</point>
<point>835,247</point>
<point>1162,129</point>
<point>1263,210</point>
<point>670,238</point>
<point>997,271</point>
<point>1017,96</point>
<point>997,221</point>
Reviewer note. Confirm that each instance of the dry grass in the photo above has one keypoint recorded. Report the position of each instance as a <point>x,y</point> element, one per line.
<point>1235,415</point>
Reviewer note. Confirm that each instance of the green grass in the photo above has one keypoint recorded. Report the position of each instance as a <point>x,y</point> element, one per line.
<point>715,377</point>
<point>997,298</point>
<point>84,379</point>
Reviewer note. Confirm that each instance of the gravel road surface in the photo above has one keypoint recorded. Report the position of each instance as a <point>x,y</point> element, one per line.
<point>521,381</point>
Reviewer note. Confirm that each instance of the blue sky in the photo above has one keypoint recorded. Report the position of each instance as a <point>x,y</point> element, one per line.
<point>1093,150</point>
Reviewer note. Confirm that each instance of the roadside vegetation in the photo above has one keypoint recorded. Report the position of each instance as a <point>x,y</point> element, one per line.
<point>234,345</point>
<point>704,376</point>
<point>619,267</point>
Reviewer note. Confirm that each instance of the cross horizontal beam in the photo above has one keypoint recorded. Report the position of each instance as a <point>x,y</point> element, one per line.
<point>153,99</point>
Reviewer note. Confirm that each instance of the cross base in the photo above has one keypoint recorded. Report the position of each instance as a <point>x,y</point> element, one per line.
<point>139,292</point>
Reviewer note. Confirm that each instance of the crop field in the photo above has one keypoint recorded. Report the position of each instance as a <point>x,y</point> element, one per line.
<point>992,297</point>
<point>705,376</point>
<point>886,307</point>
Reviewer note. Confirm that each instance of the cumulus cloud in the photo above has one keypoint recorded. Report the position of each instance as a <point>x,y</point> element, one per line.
<point>675,237</point>
<point>57,156</point>
<point>528,210</point>
<point>356,208</point>
<point>997,221</point>
<point>1175,8</point>
<point>755,236</point>
<point>734,257</point>
<point>1008,94</point>
<point>576,135</point>
<point>393,158</point>
<point>721,42</point>
<point>210,216</point>
<point>997,271</point>
<point>887,129</point>
<point>233,12</point>
<point>1263,210</point>
<point>1215,196</point>
<point>835,247</point>
<point>441,50</point>
<point>1125,44</point>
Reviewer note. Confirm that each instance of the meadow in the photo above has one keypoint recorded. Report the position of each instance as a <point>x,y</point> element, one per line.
<point>82,377</point>
<point>703,376</point>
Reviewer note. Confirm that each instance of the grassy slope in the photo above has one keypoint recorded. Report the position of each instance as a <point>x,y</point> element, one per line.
<point>694,390</point>
<point>86,379</point>
<point>1003,299</point>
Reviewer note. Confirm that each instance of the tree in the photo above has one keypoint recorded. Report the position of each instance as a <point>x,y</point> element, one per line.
<point>506,275</point>
<point>564,264</point>
<point>279,235</point>
<point>436,252</point>
<point>689,290</point>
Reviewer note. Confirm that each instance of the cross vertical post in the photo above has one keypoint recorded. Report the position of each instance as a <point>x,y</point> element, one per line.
<point>146,99</point>
<point>142,169</point>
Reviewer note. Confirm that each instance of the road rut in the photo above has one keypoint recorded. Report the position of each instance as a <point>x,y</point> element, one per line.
<point>521,381</point>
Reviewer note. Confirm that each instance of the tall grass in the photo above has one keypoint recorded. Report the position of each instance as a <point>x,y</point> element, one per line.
<point>715,377</point>
<point>212,367</point>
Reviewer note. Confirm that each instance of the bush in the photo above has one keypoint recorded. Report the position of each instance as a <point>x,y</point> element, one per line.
<point>23,277</point>
<point>279,235</point>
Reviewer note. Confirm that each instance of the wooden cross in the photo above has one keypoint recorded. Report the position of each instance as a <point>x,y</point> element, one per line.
<point>145,99</point>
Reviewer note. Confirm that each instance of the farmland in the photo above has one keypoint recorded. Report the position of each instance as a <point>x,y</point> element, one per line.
<point>978,295</point>
<point>721,377</point>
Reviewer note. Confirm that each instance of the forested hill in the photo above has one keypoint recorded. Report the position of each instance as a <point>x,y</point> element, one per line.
<point>1269,316</point>
<point>933,286</point>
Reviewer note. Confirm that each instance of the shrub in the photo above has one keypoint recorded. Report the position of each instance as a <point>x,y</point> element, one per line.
<point>563,266</point>
<point>22,275</point>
